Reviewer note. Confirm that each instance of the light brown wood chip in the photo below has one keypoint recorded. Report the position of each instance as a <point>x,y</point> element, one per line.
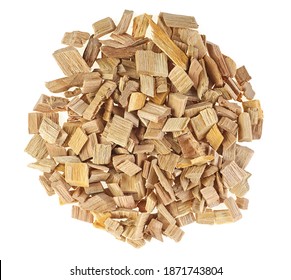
<point>142,138</point>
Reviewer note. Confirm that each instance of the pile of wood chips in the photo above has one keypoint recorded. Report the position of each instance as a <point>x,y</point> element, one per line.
<point>150,141</point>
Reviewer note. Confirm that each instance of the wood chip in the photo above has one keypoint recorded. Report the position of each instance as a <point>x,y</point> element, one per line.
<point>180,21</point>
<point>103,27</point>
<point>175,124</point>
<point>150,63</point>
<point>142,137</point>
<point>163,41</point>
<point>78,140</point>
<point>70,61</point>
<point>81,214</point>
<point>233,208</point>
<point>129,168</point>
<point>77,174</point>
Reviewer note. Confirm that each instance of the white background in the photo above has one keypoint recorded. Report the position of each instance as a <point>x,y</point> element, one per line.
<point>39,240</point>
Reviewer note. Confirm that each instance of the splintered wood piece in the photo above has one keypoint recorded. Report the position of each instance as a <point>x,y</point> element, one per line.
<point>251,105</point>
<point>64,159</point>
<point>228,125</point>
<point>126,52</point>
<point>184,162</point>
<point>229,140</point>
<point>210,195</point>
<point>155,228</point>
<point>242,75</point>
<point>49,130</point>
<point>98,175</point>
<point>76,38</point>
<point>61,189</point>
<point>150,63</point>
<point>195,109</point>
<point>94,126</point>
<point>163,41</point>
<point>147,85</point>
<point>102,154</point>
<point>214,137</point>
<point>243,155</point>
<point>125,201</point>
<point>91,51</point>
<point>248,90</point>
<point>79,194</point>
<point>203,81</point>
<point>223,112</point>
<point>132,117</point>
<point>35,119</point>
<point>151,202</point>
<point>104,92</point>
<point>119,131</point>
<point>99,203</point>
<point>174,232</point>
<point>77,105</point>
<point>116,160</point>
<point>45,182</point>
<point>178,103</point>
<point>162,147</point>
<point>37,147</point>
<point>76,174</point>
<point>187,219</point>
<point>114,228</point>
<point>165,183</point>
<point>179,21</point>
<point>244,128</point>
<point>175,124</point>
<point>194,72</point>
<point>241,189</point>
<point>223,216</point>
<point>216,55</point>
<point>242,203</point>
<point>66,83</point>
<point>203,122</point>
<point>124,22</point>
<point>81,214</point>
<point>45,165</point>
<point>91,84</point>
<point>163,195</point>
<point>103,27</point>
<point>162,210</point>
<point>229,153</point>
<point>231,65</point>
<point>189,146</point>
<point>140,25</point>
<point>154,130</point>
<point>161,85</point>
<point>130,86</point>
<point>78,140</point>
<point>229,105</point>
<point>154,112</point>
<point>180,79</point>
<point>160,98</point>
<point>194,173</point>
<point>233,175</point>
<point>145,148</point>
<point>93,189</point>
<point>115,189</point>
<point>70,61</point>
<point>233,208</point>
<point>207,217</point>
<point>129,168</point>
<point>168,162</point>
<point>213,71</point>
